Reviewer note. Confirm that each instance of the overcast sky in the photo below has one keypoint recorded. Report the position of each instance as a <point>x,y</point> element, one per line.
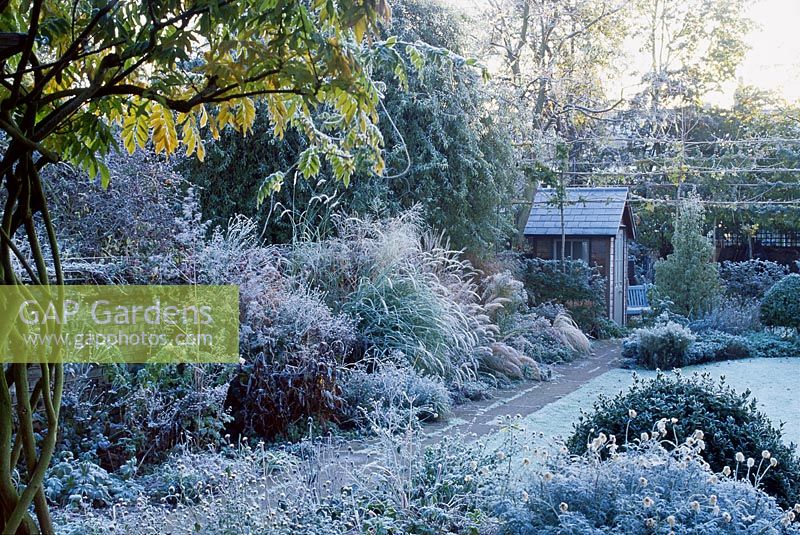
<point>774,59</point>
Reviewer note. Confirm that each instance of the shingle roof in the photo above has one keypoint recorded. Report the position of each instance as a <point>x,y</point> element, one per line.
<point>587,212</point>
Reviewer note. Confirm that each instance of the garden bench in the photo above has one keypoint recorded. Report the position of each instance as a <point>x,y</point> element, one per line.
<point>637,300</point>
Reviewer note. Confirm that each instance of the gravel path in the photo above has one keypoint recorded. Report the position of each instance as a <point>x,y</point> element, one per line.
<point>482,417</point>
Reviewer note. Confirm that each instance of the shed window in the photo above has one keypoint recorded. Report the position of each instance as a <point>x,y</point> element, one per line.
<point>575,250</point>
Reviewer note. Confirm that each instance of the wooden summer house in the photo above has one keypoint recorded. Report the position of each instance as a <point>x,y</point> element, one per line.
<point>598,224</point>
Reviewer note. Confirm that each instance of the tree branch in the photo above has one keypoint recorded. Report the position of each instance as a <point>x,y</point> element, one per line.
<point>64,61</point>
<point>36,10</point>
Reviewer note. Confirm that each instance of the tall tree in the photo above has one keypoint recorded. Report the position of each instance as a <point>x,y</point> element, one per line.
<point>554,55</point>
<point>688,277</point>
<point>444,150</point>
<point>75,71</point>
<point>693,48</point>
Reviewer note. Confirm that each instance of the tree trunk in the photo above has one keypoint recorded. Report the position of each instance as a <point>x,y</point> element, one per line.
<point>19,448</point>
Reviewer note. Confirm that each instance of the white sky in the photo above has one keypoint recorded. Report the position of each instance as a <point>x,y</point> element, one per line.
<point>773,61</point>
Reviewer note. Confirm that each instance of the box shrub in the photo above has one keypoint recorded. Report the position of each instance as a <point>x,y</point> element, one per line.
<point>730,420</point>
<point>781,305</point>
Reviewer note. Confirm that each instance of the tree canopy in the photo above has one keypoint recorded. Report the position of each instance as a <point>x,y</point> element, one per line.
<point>165,71</point>
<point>444,151</point>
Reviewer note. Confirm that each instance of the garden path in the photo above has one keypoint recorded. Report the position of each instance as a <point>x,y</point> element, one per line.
<point>480,418</point>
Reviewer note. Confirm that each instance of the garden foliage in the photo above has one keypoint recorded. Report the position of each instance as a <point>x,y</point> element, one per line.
<point>444,153</point>
<point>730,421</point>
<point>731,314</point>
<point>385,299</point>
<point>781,304</point>
<point>137,413</point>
<point>663,346</point>
<point>650,487</point>
<point>392,392</point>
<point>750,279</point>
<point>468,487</point>
<point>575,285</point>
<point>687,276</point>
<point>711,345</point>
<point>410,296</point>
<point>545,333</point>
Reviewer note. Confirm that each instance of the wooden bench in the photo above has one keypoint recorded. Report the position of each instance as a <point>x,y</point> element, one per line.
<point>637,300</point>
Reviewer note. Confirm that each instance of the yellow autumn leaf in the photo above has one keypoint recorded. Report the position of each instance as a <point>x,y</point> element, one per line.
<point>246,116</point>
<point>212,126</point>
<point>129,133</point>
<point>189,138</point>
<point>165,138</point>
<point>224,117</point>
<point>360,28</point>
<point>201,150</point>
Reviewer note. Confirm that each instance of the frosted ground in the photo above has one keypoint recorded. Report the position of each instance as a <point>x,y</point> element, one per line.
<point>773,383</point>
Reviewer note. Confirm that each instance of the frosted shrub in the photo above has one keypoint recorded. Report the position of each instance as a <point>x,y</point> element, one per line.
<point>122,232</point>
<point>734,315</point>
<point>751,278</point>
<point>404,488</point>
<point>77,482</point>
<point>730,420</point>
<point>711,346</point>
<point>187,477</point>
<point>769,345</point>
<point>663,346</point>
<point>535,336</point>
<point>292,344</point>
<point>395,389</point>
<point>575,285</point>
<point>781,305</point>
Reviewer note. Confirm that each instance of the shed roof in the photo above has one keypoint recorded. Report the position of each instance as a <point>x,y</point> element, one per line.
<point>587,212</point>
